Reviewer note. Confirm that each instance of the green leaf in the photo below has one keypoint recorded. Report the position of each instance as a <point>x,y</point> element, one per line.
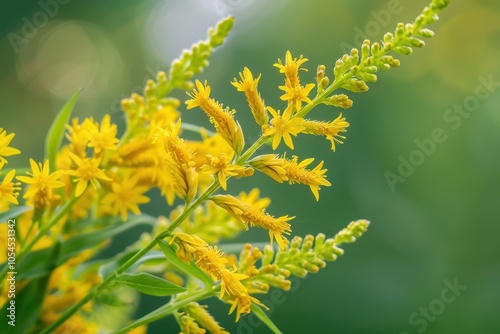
<point>190,269</point>
<point>150,284</point>
<point>56,132</point>
<point>13,213</point>
<point>35,264</point>
<point>163,311</point>
<point>265,319</point>
<point>28,302</point>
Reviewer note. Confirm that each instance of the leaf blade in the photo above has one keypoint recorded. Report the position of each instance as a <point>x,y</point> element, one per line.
<point>149,284</point>
<point>55,134</point>
<point>190,269</point>
<point>265,319</point>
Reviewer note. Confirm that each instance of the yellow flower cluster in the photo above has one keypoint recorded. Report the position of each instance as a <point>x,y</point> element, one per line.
<point>213,262</point>
<point>82,193</point>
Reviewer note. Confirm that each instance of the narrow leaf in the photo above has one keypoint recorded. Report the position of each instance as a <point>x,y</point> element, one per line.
<point>13,213</point>
<point>150,284</point>
<point>265,319</point>
<point>56,132</point>
<point>190,269</point>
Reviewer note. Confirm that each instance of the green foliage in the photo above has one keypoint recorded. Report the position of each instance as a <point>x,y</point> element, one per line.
<point>56,132</point>
<point>149,284</point>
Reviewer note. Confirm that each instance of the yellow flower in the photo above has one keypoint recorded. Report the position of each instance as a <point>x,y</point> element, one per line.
<point>283,126</point>
<point>271,165</point>
<point>5,150</point>
<point>222,166</point>
<point>298,173</point>
<point>291,68</point>
<point>330,130</point>
<point>249,86</point>
<point>242,305</point>
<point>9,190</point>
<point>222,118</point>
<point>178,161</point>
<point>188,325</point>
<point>250,215</point>
<point>42,183</point>
<point>213,262</point>
<point>281,169</point>
<point>201,315</point>
<point>102,138</point>
<point>77,136</point>
<point>252,198</point>
<point>87,170</point>
<point>125,196</point>
<point>295,95</point>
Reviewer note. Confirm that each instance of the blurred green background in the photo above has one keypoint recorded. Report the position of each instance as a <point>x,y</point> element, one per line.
<point>440,225</point>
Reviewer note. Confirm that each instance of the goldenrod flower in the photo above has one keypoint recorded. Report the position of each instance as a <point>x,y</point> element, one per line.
<point>9,190</point>
<point>125,196</point>
<point>252,198</point>
<point>42,183</point>
<point>224,169</point>
<point>211,260</point>
<point>201,315</point>
<point>248,85</point>
<point>5,150</point>
<point>87,170</point>
<point>249,215</point>
<point>295,95</point>
<point>330,130</point>
<point>102,138</point>
<point>214,264</point>
<point>281,169</point>
<point>271,165</point>
<point>77,136</point>
<point>178,161</point>
<point>242,305</point>
<point>291,68</point>
<point>222,118</point>
<point>282,126</point>
<point>298,173</point>
<point>188,325</point>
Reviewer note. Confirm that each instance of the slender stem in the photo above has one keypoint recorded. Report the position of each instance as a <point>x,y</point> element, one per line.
<point>251,150</point>
<point>327,92</point>
<point>165,311</point>
<point>185,214</point>
<point>191,207</point>
<point>75,307</point>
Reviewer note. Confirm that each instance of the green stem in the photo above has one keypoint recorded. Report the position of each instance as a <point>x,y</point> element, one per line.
<point>251,150</point>
<point>168,231</point>
<point>108,281</point>
<point>327,92</point>
<point>191,207</point>
<point>165,310</point>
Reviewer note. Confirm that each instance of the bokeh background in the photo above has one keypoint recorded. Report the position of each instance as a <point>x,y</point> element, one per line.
<point>442,224</point>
